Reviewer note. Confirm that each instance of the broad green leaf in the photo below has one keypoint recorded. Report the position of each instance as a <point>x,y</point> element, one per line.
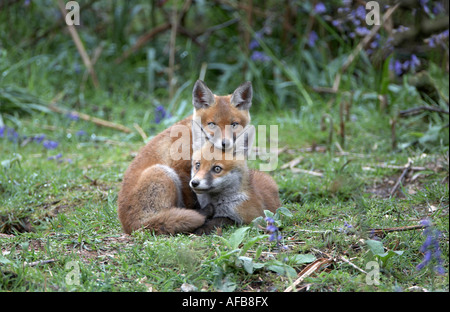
<point>282,269</point>
<point>375,246</point>
<point>237,237</point>
<point>285,212</point>
<point>301,259</point>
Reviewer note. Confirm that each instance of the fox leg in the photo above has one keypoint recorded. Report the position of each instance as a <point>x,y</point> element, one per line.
<point>156,203</point>
<point>211,224</point>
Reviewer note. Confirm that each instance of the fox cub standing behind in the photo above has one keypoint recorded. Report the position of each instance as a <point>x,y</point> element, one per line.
<point>155,192</point>
<point>226,188</point>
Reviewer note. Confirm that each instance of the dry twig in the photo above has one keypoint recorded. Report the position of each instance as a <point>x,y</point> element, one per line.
<point>406,170</point>
<point>308,270</point>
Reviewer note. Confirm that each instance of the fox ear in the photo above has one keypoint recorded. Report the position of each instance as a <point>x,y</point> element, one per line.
<point>242,96</point>
<point>202,97</point>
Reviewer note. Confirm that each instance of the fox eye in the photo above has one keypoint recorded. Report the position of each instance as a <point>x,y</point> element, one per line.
<point>217,169</point>
<point>211,125</point>
<point>234,125</point>
<point>197,165</point>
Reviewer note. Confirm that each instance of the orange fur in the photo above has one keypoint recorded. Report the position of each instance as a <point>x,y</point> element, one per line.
<point>148,197</point>
<point>234,179</point>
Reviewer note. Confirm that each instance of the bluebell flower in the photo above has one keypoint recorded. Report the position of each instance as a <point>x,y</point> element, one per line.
<point>424,5</point>
<point>438,39</point>
<point>312,38</point>
<point>254,44</point>
<point>9,133</point>
<point>398,67</point>
<point>320,8</point>
<point>80,133</point>
<point>48,144</point>
<point>161,113</point>
<point>361,12</point>
<point>260,56</point>
<point>39,138</point>
<point>58,156</point>
<point>73,116</point>
<point>438,8</point>
<point>362,31</point>
<point>431,248</point>
<point>414,62</point>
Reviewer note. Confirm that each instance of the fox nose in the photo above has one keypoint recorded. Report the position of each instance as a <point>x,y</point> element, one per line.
<point>195,183</point>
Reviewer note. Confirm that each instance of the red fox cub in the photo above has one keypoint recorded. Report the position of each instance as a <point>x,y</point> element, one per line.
<point>227,189</point>
<point>155,192</point>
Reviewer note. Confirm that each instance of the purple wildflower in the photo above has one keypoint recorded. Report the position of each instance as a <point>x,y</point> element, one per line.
<point>414,62</point>
<point>398,68</point>
<point>312,38</point>
<point>320,8</point>
<point>9,133</point>
<point>73,116</point>
<point>360,12</point>
<point>81,133</point>
<point>424,4</point>
<point>362,31</point>
<point>48,144</point>
<point>58,156</point>
<point>438,39</point>
<point>160,114</point>
<point>431,248</point>
<point>39,138</point>
<point>260,56</point>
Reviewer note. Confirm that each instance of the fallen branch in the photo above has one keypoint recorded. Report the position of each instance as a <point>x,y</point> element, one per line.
<point>35,263</point>
<point>352,264</point>
<point>406,170</point>
<point>313,173</point>
<point>417,110</point>
<point>308,270</point>
<point>385,166</point>
<point>373,232</point>
<point>97,121</point>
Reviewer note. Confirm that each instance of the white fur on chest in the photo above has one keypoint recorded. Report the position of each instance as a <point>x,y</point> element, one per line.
<point>224,206</point>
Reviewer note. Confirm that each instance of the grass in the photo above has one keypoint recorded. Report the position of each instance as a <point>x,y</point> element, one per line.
<point>59,229</point>
<point>66,211</point>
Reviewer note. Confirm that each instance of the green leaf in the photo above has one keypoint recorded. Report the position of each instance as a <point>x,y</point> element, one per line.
<point>245,262</point>
<point>375,247</point>
<point>285,212</point>
<point>3,260</point>
<point>302,259</point>
<point>252,242</point>
<point>282,269</point>
<point>268,214</point>
<point>237,237</point>
<point>384,257</point>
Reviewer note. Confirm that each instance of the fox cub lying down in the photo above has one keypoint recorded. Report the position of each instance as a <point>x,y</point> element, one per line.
<point>227,191</point>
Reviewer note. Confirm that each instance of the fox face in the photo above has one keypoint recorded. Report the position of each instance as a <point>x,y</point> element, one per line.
<point>217,175</point>
<point>217,170</point>
<point>221,118</point>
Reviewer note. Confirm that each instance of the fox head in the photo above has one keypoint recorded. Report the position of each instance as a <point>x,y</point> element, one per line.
<point>217,170</point>
<point>221,118</point>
